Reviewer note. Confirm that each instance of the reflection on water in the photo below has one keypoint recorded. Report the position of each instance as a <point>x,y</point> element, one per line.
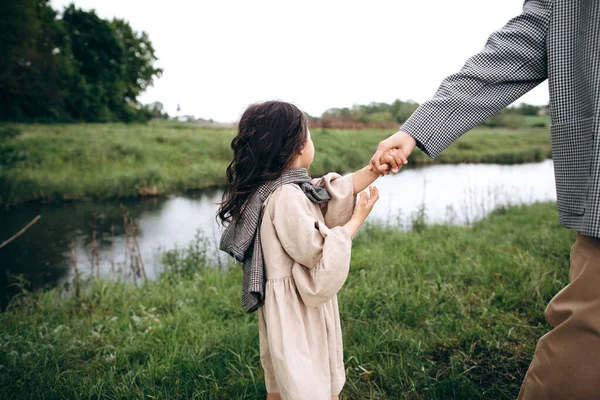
<point>450,193</point>
<point>463,193</point>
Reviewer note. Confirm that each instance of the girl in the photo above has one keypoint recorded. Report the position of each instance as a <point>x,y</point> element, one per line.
<point>293,236</point>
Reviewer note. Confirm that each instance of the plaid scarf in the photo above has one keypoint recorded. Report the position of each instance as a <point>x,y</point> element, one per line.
<point>241,238</point>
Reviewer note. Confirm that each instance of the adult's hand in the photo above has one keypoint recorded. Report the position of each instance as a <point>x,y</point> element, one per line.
<point>396,159</point>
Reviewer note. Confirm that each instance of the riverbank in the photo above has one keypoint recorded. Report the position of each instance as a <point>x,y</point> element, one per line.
<point>440,312</point>
<point>101,161</point>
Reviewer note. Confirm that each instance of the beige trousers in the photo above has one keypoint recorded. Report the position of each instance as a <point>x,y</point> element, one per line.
<point>566,362</point>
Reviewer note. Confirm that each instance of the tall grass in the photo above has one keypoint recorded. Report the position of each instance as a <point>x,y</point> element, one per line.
<point>99,161</point>
<point>439,313</point>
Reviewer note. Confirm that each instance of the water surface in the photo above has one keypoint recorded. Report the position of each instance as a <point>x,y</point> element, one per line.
<point>92,234</point>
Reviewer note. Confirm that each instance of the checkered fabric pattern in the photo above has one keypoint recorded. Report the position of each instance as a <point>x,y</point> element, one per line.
<point>241,238</point>
<point>554,39</point>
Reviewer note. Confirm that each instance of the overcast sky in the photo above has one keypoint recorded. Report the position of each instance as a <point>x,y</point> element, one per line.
<point>220,56</point>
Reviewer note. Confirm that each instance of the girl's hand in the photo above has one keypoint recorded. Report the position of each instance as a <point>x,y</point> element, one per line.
<point>362,210</point>
<point>365,204</point>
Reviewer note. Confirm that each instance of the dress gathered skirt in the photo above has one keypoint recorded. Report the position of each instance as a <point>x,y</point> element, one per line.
<point>307,258</point>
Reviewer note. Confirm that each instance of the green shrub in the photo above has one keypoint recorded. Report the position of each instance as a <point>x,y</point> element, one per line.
<point>9,132</point>
<point>506,119</point>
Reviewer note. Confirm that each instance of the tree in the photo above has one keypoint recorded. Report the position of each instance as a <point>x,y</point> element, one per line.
<point>34,70</point>
<point>80,67</point>
<point>402,110</point>
<point>374,112</point>
<point>158,110</point>
<point>509,118</point>
<point>139,56</point>
<point>99,57</point>
<point>528,109</point>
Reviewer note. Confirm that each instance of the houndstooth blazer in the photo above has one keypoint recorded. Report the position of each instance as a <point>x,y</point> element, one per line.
<point>558,40</point>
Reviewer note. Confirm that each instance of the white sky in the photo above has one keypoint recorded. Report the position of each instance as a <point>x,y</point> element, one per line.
<point>221,55</point>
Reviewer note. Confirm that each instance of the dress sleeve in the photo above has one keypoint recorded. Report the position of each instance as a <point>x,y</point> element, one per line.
<point>321,254</point>
<point>339,209</point>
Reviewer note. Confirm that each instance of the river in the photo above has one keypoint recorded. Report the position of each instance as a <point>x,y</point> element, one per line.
<point>92,235</point>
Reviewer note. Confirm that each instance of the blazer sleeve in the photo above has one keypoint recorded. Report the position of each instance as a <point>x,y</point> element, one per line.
<point>321,255</point>
<point>513,61</point>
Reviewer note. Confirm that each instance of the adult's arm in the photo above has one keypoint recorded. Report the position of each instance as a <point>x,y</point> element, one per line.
<point>513,61</point>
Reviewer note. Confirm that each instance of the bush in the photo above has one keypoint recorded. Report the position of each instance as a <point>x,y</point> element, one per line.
<point>9,132</point>
<point>10,156</point>
<point>379,117</point>
<point>506,119</point>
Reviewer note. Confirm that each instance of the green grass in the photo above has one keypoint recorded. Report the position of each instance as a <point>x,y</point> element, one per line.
<point>542,121</point>
<point>99,161</point>
<point>438,313</point>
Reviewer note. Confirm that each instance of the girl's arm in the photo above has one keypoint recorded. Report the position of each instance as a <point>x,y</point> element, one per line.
<point>322,253</point>
<point>363,178</point>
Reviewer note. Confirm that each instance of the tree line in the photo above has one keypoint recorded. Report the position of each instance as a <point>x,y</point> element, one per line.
<point>373,113</point>
<point>377,114</point>
<point>71,65</point>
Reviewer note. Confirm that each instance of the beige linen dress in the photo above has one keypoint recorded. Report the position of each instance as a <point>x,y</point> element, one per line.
<point>307,257</point>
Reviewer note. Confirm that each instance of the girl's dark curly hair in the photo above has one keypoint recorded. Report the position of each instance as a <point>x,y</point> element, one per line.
<point>270,135</point>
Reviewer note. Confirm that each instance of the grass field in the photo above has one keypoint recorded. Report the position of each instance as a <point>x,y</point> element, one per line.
<point>98,161</point>
<point>437,313</point>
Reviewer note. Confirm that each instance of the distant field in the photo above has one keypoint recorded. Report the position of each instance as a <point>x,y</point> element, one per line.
<point>82,161</point>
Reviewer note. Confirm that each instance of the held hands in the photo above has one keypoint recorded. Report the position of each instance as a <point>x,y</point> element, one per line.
<point>392,153</point>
